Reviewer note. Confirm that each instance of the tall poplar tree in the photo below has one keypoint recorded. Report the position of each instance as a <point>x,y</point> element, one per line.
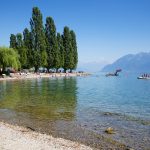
<point>19,41</point>
<point>38,39</point>
<point>21,50</point>
<point>61,49</point>
<point>74,49</point>
<point>27,44</point>
<point>13,41</point>
<point>68,50</point>
<point>52,44</point>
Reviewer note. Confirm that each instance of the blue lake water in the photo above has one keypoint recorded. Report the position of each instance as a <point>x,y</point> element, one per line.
<point>92,103</point>
<point>125,95</point>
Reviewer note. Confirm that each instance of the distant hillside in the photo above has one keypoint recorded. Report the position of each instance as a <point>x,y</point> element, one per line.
<point>136,63</point>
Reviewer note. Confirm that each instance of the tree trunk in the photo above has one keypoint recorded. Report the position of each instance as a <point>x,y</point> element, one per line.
<point>56,70</point>
<point>70,70</point>
<point>65,70</point>
<point>48,69</point>
<point>3,69</point>
<point>36,68</point>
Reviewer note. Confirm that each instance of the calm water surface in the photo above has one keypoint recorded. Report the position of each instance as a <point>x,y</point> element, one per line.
<point>81,107</point>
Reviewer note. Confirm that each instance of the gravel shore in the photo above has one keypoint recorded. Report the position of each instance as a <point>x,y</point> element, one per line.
<point>16,138</point>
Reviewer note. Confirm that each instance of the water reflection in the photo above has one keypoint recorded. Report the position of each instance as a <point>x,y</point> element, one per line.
<point>41,98</point>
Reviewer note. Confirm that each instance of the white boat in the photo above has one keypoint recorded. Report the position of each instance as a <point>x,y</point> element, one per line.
<point>147,78</point>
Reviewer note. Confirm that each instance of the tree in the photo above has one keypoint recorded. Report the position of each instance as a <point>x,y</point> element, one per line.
<point>68,50</point>
<point>74,48</point>
<point>52,44</point>
<point>12,41</point>
<point>61,49</point>
<point>9,58</point>
<point>21,50</point>
<point>41,47</point>
<point>28,47</point>
<point>19,41</point>
<point>38,39</point>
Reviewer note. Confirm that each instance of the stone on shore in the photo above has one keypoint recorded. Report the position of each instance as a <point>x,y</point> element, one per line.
<point>110,130</point>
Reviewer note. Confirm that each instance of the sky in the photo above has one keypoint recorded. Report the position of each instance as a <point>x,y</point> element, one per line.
<point>105,29</point>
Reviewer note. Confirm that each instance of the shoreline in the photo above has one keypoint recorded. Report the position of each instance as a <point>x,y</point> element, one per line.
<point>87,141</point>
<point>15,137</point>
<point>17,76</point>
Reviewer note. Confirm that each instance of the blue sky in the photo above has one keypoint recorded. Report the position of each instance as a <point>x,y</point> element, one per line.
<point>105,29</point>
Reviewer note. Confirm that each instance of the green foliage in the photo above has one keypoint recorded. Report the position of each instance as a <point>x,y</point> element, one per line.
<point>41,47</point>
<point>60,49</point>
<point>21,50</point>
<point>68,50</point>
<point>9,58</point>
<point>52,44</point>
<point>38,39</point>
<point>19,41</point>
<point>74,47</point>
<point>12,41</point>
<point>27,45</point>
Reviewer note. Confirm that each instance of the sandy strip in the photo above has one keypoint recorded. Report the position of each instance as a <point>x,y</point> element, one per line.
<point>20,138</point>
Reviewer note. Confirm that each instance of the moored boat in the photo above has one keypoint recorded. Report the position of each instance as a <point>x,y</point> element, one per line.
<point>144,76</point>
<point>116,73</point>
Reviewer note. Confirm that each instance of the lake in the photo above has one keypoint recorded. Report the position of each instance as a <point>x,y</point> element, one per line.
<point>81,108</point>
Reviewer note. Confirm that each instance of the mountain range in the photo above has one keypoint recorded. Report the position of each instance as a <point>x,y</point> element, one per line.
<point>131,62</point>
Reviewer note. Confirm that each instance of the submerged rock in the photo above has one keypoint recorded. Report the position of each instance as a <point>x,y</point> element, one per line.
<point>107,113</point>
<point>110,130</point>
<point>128,148</point>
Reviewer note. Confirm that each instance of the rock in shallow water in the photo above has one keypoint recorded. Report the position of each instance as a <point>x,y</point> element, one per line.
<point>110,130</point>
<point>129,148</point>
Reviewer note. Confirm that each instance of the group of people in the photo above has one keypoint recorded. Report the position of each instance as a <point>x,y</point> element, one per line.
<point>146,75</point>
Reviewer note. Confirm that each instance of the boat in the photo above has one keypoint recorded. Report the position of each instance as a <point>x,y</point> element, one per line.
<point>147,78</point>
<point>116,73</point>
<point>144,76</point>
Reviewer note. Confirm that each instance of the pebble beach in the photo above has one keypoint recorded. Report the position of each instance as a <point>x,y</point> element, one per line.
<point>16,138</point>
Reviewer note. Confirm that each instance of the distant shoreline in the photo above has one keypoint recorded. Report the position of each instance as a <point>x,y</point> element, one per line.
<point>18,76</point>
